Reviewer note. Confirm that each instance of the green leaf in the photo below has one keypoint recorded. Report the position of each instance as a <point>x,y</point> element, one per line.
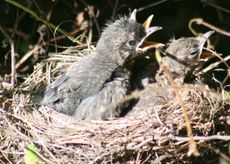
<point>30,155</point>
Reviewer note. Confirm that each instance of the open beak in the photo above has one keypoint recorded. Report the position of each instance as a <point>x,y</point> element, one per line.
<point>145,45</point>
<point>148,21</point>
<point>206,53</point>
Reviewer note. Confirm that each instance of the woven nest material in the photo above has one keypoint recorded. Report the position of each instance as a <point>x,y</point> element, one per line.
<point>153,133</point>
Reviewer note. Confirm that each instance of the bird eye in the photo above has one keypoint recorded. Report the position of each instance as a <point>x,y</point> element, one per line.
<point>193,54</point>
<point>132,43</point>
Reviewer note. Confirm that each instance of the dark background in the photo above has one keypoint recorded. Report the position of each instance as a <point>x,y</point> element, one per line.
<point>172,15</point>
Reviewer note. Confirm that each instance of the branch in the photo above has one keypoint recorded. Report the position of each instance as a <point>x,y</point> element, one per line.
<point>13,70</point>
<point>192,145</point>
<point>200,21</point>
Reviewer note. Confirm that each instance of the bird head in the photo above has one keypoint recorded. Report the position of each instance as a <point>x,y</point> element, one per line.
<point>186,54</point>
<point>125,38</point>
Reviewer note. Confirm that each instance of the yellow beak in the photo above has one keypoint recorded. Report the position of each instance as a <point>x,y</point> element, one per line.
<point>144,44</point>
<point>206,55</point>
<point>148,21</point>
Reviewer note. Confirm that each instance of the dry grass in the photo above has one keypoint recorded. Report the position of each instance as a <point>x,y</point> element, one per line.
<point>156,133</point>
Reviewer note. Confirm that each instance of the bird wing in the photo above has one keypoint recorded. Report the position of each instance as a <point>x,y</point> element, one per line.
<point>51,93</point>
<point>83,79</point>
<point>105,104</point>
<point>65,90</point>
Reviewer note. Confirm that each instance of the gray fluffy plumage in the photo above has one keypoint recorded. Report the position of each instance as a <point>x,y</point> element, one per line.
<point>95,86</point>
<point>182,58</point>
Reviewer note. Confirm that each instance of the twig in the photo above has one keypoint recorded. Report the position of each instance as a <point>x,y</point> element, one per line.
<point>13,70</point>
<point>19,33</point>
<point>13,61</point>
<point>75,31</point>
<point>18,19</point>
<point>192,144</point>
<point>216,6</point>
<point>115,9</point>
<point>36,48</point>
<point>161,158</point>
<point>5,157</point>
<point>27,55</point>
<point>151,5</point>
<point>200,21</point>
<point>213,65</point>
<point>92,15</point>
<point>197,138</point>
<point>137,161</point>
<point>34,133</point>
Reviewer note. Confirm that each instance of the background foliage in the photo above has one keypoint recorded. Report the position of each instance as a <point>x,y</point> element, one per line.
<point>172,15</point>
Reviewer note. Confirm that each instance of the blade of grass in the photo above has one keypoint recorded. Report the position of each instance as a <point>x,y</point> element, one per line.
<point>32,13</point>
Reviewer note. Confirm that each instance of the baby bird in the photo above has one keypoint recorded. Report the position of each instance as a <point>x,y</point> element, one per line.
<point>182,57</point>
<point>95,87</point>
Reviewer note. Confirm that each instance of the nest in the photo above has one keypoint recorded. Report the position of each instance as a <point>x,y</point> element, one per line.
<point>154,134</point>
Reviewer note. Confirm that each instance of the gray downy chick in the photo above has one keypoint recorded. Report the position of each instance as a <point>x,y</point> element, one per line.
<point>94,87</point>
<point>182,57</point>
